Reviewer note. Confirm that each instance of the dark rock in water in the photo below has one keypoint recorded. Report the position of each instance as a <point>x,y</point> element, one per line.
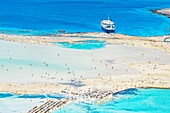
<point>26,31</point>
<point>165,12</point>
<point>18,31</point>
<point>61,31</point>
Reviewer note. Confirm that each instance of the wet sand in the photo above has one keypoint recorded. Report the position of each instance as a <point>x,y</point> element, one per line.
<point>148,66</point>
<point>72,37</point>
<point>112,83</point>
<point>156,42</point>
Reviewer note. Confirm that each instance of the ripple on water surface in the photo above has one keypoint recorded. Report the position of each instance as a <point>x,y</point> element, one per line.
<point>131,17</point>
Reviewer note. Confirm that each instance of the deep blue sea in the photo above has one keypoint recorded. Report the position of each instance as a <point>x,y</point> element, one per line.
<point>131,17</point>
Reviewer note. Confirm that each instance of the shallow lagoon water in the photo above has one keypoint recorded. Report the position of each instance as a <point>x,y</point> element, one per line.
<point>128,101</point>
<point>87,45</point>
<point>20,59</point>
<point>10,103</point>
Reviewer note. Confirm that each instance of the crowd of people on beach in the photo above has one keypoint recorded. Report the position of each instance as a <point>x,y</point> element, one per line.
<point>53,104</point>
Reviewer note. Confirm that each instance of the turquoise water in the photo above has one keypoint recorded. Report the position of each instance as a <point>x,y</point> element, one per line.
<point>87,45</point>
<point>12,103</point>
<point>43,17</point>
<point>129,101</point>
<point>10,95</point>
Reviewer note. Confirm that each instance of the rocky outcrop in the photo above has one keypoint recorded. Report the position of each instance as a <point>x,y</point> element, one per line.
<point>165,12</point>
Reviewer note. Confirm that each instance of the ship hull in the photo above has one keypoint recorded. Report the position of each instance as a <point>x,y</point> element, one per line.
<point>108,31</point>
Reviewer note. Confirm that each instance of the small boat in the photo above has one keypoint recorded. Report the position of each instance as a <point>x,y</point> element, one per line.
<point>108,26</point>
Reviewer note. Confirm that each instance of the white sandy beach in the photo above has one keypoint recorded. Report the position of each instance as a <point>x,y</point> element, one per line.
<point>38,68</point>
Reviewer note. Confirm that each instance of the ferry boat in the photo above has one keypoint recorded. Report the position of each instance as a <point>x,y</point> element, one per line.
<point>108,26</point>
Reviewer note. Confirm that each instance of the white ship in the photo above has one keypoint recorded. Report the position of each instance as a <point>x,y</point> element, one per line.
<point>108,26</point>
